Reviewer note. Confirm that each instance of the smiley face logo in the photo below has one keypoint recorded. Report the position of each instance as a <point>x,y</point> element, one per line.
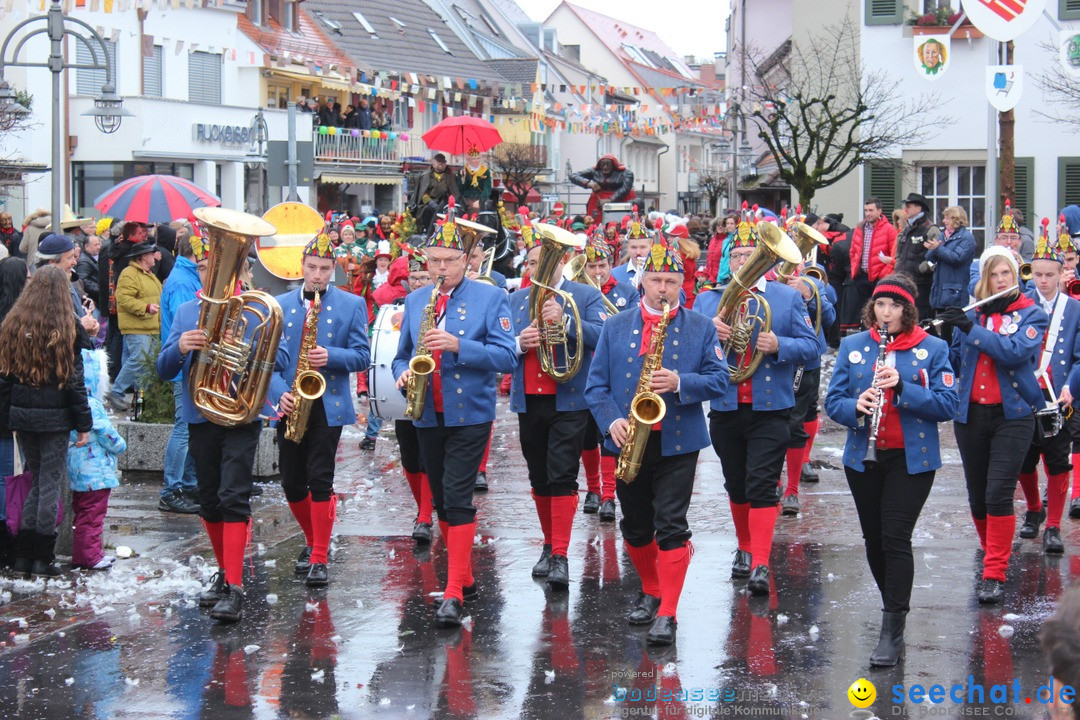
<point>862,693</point>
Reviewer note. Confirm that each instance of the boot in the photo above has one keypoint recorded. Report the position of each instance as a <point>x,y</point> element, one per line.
<point>607,511</point>
<point>7,546</point>
<point>543,565</point>
<point>230,608</point>
<point>24,554</point>
<point>890,647</point>
<point>592,503</point>
<point>43,566</point>
<point>210,597</point>
<point>303,562</point>
<point>558,572</point>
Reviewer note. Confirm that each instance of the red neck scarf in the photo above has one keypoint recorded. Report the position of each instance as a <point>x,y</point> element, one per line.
<point>649,322</point>
<point>608,285</point>
<point>1019,304</point>
<point>903,341</point>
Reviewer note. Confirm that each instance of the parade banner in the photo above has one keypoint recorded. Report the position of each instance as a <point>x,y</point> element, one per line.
<point>932,55</point>
<point>1069,48</point>
<point>1003,20</point>
<point>1004,86</point>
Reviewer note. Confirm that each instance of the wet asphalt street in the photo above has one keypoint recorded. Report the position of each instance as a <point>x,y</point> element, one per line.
<point>132,643</point>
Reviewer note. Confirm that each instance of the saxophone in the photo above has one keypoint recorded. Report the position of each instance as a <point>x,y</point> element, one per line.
<point>422,364</point>
<point>308,385</point>
<point>647,408</point>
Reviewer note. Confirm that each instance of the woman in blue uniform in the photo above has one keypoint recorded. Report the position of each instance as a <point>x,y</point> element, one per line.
<point>919,392</point>
<point>995,350</point>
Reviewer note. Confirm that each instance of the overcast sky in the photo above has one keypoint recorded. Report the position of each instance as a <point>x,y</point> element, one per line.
<point>675,21</point>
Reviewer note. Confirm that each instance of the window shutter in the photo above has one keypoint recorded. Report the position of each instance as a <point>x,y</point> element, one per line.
<point>881,179</point>
<point>1024,178</point>
<point>204,78</point>
<point>886,12</point>
<point>89,82</point>
<point>1068,9</point>
<point>1068,181</point>
<point>152,73</point>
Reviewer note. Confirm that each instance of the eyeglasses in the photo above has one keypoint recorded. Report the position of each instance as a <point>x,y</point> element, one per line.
<point>442,262</point>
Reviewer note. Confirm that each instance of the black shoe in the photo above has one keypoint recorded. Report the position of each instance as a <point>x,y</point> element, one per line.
<point>317,576</point>
<point>367,444</point>
<point>740,568</point>
<point>21,567</point>
<point>644,610</point>
<point>192,495</point>
<point>421,532</point>
<point>759,581</point>
<point>256,490</point>
<point>481,482</point>
<point>230,608</point>
<point>789,505</point>
<point>24,554</point>
<point>210,597</point>
<point>449,613</point>
<point>559,572</point>
<point>1032,520</point>
<point>607,511</point>
<point>808,474</point>
<point>1052,544</point>
<point>470,592</point>
<point>117,402</point>
<point>177,503</point>
<point>540,569</point>
<point>890,647</point>
<point>44,569</point>
<point>662,631</point>
<point>1074,508</point>
<point>991,592</point>
<point>303,562</point>
<point>591,504</point>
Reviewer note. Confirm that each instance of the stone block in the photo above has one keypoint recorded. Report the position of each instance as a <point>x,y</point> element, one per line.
<point>146,449</point>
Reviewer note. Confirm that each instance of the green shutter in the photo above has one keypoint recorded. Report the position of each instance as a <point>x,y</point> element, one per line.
<point>1068,181</point>
<point>881,179</point>
<point>1068,9</point>
<point>889,12</point>
<point>1024,178</point>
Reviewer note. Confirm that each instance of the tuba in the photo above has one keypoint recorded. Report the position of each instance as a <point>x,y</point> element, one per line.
<point>807,239</point>
<point>308,385</point>
<point>735,307</point>
<point>574,271</point>
<point>231,374</point>
<point>554,243</point>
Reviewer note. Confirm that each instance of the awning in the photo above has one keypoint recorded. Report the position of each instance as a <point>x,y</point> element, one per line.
<point>328,177</point>
<point>532,197</point>
<point>326,82</point>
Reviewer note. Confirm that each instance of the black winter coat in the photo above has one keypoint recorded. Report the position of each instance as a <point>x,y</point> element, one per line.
<point>46,409</point>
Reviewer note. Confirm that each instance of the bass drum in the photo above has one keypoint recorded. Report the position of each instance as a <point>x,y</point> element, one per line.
<point>387,402</point>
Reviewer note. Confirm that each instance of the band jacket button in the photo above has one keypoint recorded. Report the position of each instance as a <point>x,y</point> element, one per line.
<point>329,320</point>
<point>678,447</point>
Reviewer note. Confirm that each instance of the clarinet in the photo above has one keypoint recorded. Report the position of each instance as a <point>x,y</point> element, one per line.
<point>875,416</point>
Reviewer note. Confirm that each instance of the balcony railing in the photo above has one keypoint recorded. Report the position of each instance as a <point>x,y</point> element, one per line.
<point>344,148</point>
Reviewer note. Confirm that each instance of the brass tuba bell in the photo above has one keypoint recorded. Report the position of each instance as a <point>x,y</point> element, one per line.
<point>807,239</point>
<point>231,374</point>
<point>554,340</point>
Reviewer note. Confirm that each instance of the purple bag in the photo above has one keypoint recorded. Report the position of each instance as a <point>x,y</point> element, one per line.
<point>16,488</point>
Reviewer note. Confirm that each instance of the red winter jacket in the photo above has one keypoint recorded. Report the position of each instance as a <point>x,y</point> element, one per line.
<point>884,241</point>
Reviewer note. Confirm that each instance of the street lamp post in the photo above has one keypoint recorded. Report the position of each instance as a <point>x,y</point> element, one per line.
<point>108,110</point>
<point>256,157</point>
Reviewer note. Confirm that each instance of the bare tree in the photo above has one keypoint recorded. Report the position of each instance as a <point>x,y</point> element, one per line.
<point>11,124</point>
<point>822,115</point>
<point>713,186</point>
<point>1061,89</point>
<point>519,165</point>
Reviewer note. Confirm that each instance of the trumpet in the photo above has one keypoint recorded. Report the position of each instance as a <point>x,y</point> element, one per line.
<point>1024,272</point>
<point>555,242</point>
<point>574,271</point>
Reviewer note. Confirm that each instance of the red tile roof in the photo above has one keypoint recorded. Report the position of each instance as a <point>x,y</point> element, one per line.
<point>310,43</point>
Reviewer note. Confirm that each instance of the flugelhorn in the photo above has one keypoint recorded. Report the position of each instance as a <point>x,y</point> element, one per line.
<point>231,374</point>
<point>574,271</point>
<point>554,338</point>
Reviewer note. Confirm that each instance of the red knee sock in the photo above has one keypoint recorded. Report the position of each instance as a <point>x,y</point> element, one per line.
<point>980,528</point>
<point>671,565</point>
<point>543,511</point>
<point>1056,488</point>
<point>1076,476</point>
<point>740,513</point>
<point>810,428</point>
<point>563,508</point>
<point>644,559</point>
<point>1029,483</point>
<point>302,512</point>
<point>421,492</point>
<point>444,529</point>
<point>590,460</point>
<point>459,544</point>
<point>607,477</point>
<point>762,524</point>
<point>214,531</point>
<point>999,536</point>
<point>322,525</point>
<point>487,451</point>
<point>414,485</point>
<point>795,459</point>
<point>234,537</point>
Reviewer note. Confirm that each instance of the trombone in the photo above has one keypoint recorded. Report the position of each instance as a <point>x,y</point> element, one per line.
<point>574,271</point>
<point>472,233</point>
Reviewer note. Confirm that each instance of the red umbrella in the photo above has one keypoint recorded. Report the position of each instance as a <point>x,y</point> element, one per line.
<point>154,199</point>
<point>457,135</point>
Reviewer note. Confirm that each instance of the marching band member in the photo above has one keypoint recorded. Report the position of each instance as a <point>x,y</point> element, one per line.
<point>692,371</point>
<point>638,242</point>
<point>340,347</point>
<point>224,457</point>
<point>472,340</point>
<point>1060,353</point>
<point>995,349</point>
<point>1070,286</point>
<point>599,466</point>
<point>552,416</point>
<point>915,389</point>
<point>476,266</point>
<point>749,424</point>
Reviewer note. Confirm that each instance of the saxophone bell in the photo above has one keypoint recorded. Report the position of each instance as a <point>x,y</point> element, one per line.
<point>309,384</point>
<point>647,407</point>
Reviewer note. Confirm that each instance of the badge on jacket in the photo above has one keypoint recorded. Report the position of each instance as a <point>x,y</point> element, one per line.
<point>854,357</point>
<point>921,353</point>
<point>621,302</point>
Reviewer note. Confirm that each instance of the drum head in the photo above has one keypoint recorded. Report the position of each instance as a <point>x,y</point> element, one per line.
<point>387,401</point>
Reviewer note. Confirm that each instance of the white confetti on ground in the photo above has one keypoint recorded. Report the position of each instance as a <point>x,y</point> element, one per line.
<point>549,677</point>
<point>69,681</point>
<point>271,599</point>
<point>132,682</point>
<point>1006,631</point>
<point>781,619</point>
<point>1010,617</point>
<point>319,676</point>
<point>248,649</point>
<point>815,633</point>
